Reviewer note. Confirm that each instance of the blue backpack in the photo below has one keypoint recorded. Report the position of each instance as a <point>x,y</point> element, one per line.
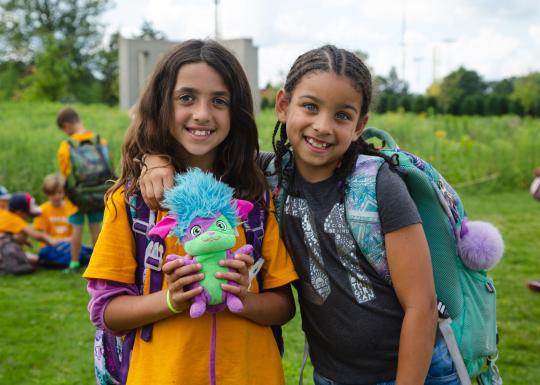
<point>112,354</point>
<point>466,296</point>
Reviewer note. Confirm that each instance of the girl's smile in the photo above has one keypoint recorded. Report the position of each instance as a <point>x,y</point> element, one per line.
<point>199,133</point>
<point>317,145</point>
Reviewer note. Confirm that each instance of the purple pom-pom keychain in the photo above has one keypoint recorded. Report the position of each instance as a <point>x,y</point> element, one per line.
<point>481,245</point>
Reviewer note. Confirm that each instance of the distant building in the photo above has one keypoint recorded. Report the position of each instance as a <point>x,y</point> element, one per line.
<point>137,58</point>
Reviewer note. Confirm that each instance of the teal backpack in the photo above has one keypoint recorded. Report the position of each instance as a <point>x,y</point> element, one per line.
<point>91,174</point>
<point>466,297</point>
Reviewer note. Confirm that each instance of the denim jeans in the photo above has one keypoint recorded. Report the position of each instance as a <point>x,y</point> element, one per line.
<point>441,371</point>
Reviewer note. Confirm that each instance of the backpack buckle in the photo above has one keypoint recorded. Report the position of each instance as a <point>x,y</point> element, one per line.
<point>258,231</point>
<point>153,255</point>
<point>140,227</point>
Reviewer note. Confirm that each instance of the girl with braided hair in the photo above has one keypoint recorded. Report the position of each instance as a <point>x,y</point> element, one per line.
<point>360,327</point>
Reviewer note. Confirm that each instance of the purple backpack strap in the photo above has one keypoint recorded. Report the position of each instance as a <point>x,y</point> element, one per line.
<point>148,251</point>
<point>254,228</point>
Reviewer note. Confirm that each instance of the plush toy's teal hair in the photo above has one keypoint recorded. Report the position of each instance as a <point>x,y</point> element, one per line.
<point>198,194</point>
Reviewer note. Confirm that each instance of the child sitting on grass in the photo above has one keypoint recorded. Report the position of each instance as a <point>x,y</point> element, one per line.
<point>4,198</point>
<point>54,221</point>
<point>14,233</point>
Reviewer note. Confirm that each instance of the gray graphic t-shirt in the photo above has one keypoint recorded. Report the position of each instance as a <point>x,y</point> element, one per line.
<point>352,317</point>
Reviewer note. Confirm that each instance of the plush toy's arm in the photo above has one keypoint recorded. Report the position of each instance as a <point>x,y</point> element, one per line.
<point>187,261</point>
<point>246,249</point>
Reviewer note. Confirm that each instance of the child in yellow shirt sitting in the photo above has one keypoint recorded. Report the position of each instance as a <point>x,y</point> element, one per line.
<point>4,198</point>
<point>14,233</point>
<point>54,221</point>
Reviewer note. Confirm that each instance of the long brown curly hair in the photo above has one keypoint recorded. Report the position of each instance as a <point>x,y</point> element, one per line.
<point>150,129</point>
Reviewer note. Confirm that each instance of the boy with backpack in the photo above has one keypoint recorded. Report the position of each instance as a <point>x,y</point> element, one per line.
<point>14,230</point>
<point>54,221</point>
<point>85,162</point>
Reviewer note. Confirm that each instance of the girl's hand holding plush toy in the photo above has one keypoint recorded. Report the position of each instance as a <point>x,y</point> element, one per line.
<point>180,276</point>
<point>203,216</point>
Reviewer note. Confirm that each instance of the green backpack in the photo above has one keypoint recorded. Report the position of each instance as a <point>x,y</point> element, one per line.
<point>91,174</point>
<point>466,296</point>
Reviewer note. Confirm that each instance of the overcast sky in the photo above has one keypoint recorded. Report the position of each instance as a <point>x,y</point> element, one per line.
<point>497,38</point>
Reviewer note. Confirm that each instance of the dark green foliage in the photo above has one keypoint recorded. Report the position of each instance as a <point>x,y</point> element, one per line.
<point>148,31</point>
<point>57,41</point>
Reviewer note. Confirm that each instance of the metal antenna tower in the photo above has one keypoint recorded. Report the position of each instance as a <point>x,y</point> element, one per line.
<point>403,30</point>
<point>216,20</point>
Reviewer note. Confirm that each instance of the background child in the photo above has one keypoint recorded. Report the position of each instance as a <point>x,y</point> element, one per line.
<point>534,285</point>
<point>54,221</point>
<point>14,233</point>
<point>4,198</point>
<point>196,109</point>
<point>68,120</point>
<point>388,332</point>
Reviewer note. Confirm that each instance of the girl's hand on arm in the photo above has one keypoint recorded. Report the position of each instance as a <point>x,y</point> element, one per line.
<point>157,175</point>
<point>412,277</point>
<point>129,312</point>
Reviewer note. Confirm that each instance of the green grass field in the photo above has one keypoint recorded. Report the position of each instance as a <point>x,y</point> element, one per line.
<point>46,337</point>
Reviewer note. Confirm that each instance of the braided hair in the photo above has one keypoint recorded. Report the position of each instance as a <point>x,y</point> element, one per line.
<point>327,58</point>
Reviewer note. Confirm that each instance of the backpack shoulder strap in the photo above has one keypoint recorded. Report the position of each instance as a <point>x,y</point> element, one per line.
<point>255,224</point>
<point>362,212</point>
<point>279,194</point>
<point>254,228</point>
<point>148,252</point>
<point>71,142</point>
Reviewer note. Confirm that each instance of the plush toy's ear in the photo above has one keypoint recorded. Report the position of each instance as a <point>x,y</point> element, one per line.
<point>163,227</point>
<point>243,208</point>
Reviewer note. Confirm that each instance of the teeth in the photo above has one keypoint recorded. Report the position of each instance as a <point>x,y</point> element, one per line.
<point>316,143</point>
<point>201,132</point>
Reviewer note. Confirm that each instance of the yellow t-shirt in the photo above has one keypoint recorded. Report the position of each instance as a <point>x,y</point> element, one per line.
<point>54,220</point>
<point>179,351</point>
<point>11,223</point>
<point>63,150</point>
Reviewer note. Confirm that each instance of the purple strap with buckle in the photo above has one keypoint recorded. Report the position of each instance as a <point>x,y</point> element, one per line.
<point>140,226</point>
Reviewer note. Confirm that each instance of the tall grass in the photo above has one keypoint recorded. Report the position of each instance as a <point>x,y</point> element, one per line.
<point>491,153</point>
<point>488,153</point>
<point>29,140</point>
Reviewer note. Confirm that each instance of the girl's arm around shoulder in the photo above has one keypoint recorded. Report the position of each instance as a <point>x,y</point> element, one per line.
<point>412,277</point>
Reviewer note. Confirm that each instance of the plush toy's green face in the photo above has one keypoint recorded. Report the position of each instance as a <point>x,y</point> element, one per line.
<point>209,235</point>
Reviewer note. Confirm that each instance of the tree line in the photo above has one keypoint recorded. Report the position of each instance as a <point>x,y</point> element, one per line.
<point>462,92</point>
<point>54,50</point>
